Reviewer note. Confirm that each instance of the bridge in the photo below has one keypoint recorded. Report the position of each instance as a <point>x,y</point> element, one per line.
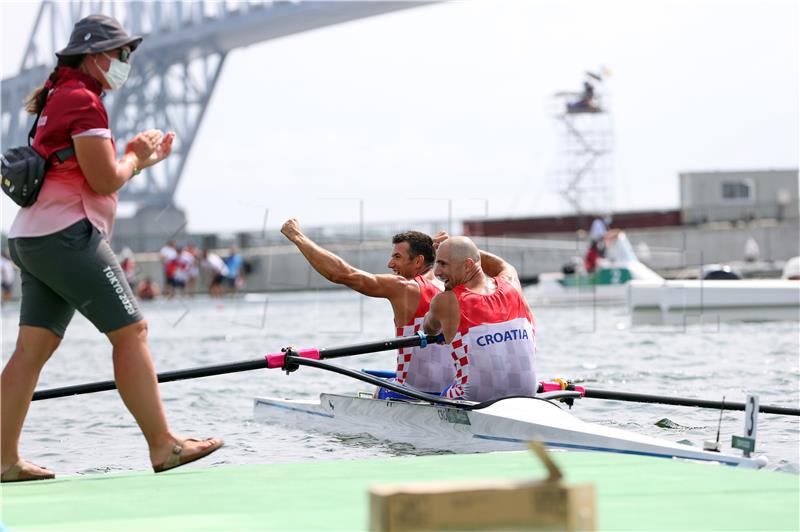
<point>177,66</point>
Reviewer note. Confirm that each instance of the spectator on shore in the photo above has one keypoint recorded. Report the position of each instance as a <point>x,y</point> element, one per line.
<point>217,271</point>
<point>128,264</point>
<point>235,263</point>
<point>7,274</point>
<point>168,253</point>
<point>176,274</point>
<point>190,257</point>
<point>148,290</point>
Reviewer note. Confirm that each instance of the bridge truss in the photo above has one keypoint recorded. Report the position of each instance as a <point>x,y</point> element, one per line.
<point>177,66</point>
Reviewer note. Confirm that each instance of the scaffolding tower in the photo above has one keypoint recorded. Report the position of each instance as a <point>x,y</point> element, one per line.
<point>585,143</point>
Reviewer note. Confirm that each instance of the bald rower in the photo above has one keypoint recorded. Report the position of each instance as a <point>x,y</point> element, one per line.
<point>486,323</point>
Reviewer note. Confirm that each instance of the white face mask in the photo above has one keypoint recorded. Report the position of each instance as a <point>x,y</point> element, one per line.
<point>117,73</point>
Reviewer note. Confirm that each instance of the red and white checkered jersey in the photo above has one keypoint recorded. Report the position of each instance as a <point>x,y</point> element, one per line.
<point>495,346</point>
<point>429,369</point>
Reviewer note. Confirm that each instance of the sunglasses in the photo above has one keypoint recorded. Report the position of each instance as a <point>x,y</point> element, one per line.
<point>124,55</point>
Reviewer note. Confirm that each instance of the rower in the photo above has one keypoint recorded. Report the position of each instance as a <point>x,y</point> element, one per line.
<point>409,290</point>
<point>485,321</point>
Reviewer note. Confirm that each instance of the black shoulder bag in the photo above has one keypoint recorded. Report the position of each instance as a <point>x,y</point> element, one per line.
<point>22,169</point>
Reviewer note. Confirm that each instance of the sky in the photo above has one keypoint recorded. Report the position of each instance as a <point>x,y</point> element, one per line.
<point>447,110</point>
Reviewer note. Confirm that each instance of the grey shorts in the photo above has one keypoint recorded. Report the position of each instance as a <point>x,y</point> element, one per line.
<point>74,268</point>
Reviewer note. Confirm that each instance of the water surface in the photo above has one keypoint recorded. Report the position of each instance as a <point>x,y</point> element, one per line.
<point>91,433</point>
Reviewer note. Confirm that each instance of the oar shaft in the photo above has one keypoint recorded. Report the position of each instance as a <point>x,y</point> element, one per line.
<point>374,347</point>
<point>77,389</point>
<point>271,360</point>
<point>683,401</point>
<point>167,376</point>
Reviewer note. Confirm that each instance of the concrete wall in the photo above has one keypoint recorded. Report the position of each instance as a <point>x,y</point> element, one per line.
<point>282,267</point>
<point>279,268</point>
<point>149,228</point>
<point>675,247</point>
<point>776,242</point>
<point>773,194</point>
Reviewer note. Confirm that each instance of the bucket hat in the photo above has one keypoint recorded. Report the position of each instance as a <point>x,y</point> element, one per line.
<point>98,33</point>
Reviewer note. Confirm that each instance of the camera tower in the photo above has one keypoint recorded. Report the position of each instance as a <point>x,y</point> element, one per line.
<point>584,173</point>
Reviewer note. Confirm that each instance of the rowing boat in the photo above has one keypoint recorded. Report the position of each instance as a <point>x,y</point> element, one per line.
<point>431,422</point>
<point>502,425</point>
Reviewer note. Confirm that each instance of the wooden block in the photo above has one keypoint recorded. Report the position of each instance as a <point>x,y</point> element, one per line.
<point>544,505</point>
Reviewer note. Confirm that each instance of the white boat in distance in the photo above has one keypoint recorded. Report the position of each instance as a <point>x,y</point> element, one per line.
<point>503,425</point>
<point>608,285</point>
<point>708,301</point>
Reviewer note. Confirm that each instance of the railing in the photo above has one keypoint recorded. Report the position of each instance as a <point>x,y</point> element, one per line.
<point>709,213</point>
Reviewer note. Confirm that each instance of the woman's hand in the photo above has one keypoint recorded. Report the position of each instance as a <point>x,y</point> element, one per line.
<point>150,147</point>
<point>163,149</point>
<point>99,164</point>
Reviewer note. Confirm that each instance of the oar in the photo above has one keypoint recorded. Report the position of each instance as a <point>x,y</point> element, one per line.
<point>685,401</point>
<point>678,401</point>
<point>270,360</point>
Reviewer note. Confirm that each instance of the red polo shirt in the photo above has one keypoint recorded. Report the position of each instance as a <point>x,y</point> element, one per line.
<point>73,109</point>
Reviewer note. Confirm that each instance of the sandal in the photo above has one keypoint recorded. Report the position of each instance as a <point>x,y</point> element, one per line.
<point>176,460</point>
<point>17,473</point>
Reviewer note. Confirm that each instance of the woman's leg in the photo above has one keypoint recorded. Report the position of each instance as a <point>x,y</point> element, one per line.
<point>34,347</point>
<point>78,265</point>
<point>136,380</point>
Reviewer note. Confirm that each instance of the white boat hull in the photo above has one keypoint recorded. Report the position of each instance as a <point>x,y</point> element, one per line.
<point>505,425</point>
<point>687,302</point>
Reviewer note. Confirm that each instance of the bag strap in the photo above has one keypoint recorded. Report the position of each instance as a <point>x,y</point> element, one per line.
<point>62,154</point>
<point>65,154</point>
<point>32,132</point>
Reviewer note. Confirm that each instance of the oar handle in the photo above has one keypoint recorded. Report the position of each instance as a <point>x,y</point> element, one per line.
<point>278,360</point>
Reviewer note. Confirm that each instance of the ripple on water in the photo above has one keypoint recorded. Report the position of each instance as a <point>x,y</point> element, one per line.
<point>786,466</point>
<point>666,423</point>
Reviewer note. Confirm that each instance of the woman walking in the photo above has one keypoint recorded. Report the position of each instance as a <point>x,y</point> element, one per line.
<point>60,244</point>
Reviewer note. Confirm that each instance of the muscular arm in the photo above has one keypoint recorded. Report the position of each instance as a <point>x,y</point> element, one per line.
<point>337,270</point>
<point>443,316</point>
<point>494,266</point>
